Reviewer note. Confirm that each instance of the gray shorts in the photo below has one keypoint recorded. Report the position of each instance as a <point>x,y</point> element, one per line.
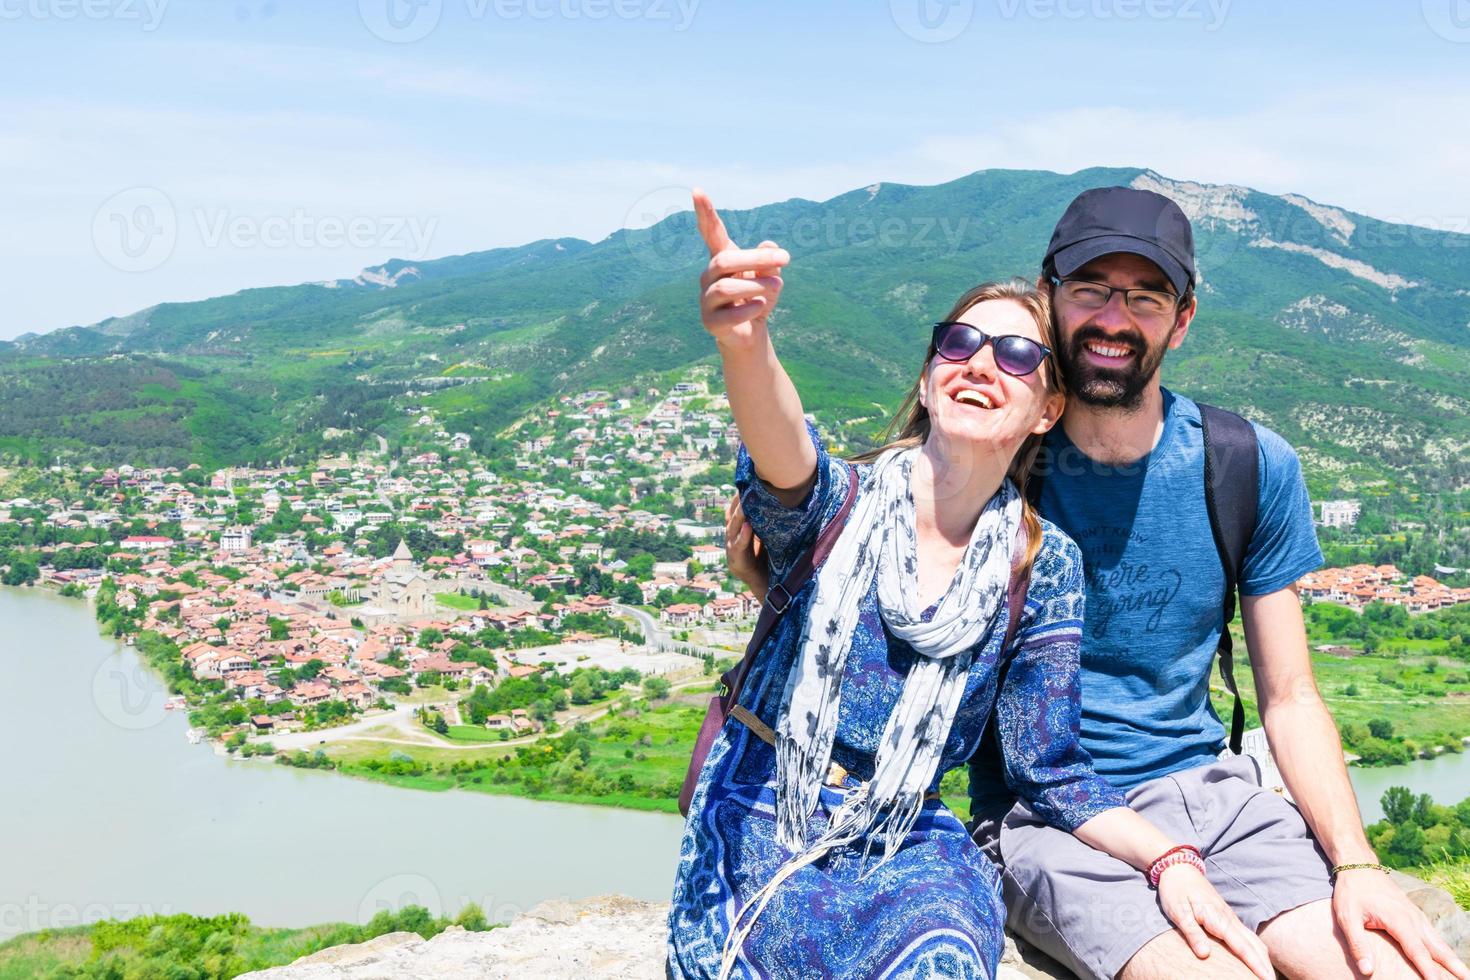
<point>1092,912</point>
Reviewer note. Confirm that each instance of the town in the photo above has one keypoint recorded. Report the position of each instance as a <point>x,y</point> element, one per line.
<point>305,599</point>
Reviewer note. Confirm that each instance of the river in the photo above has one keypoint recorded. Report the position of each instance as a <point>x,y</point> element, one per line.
<point>108,811</point>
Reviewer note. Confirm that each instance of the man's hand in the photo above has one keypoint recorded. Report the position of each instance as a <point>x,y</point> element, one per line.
<point>1195,908</point>
<point>1366,899</point>
<point>743,553</point>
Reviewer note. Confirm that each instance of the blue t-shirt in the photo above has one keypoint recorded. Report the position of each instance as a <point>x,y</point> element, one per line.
<point>1155,587</point>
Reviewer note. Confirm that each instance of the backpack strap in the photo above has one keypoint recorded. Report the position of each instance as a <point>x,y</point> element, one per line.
<point>780,594</point>
<point>1232,482</point>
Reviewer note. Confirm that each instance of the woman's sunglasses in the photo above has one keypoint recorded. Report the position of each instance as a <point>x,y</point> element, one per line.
<point>1015,355</point>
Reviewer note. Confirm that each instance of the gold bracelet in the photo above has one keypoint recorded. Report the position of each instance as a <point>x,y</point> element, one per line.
<point>1358,867</point>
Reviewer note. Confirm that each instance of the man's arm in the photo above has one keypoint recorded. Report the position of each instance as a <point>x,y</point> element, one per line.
<point>1308,751</point>
<point>1300,730</point>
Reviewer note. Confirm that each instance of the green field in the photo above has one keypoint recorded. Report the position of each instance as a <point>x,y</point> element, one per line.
<point>193,948</point>
<point>1424,696</point>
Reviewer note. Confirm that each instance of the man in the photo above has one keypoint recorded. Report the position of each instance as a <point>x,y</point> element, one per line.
<point>1124,476</point>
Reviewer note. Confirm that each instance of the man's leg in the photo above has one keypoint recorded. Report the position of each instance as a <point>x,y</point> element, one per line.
<point>1168,957</point>
<point>1306,944</point>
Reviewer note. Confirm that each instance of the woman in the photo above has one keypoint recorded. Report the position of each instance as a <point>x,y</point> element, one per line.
<point>816,845</point>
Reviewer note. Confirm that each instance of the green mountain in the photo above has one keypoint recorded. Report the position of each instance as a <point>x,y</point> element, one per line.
<point>1349,335</point>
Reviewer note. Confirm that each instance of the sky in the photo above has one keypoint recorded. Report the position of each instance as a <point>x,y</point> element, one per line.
<point>165,150</point>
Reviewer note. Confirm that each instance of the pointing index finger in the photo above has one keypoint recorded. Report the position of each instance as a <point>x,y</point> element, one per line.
<point>711,228</point>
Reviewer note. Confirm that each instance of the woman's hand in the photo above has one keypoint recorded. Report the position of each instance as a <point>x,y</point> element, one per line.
<point>738,291</point>
<point>1196,909</point>
<point>739,287</point>
<point>743,553</point>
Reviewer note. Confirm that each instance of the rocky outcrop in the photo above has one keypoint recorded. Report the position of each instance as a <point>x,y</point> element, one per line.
<point>618,937</point>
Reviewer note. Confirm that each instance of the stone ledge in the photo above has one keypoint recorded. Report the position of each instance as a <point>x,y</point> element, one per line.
<point>616,937</point>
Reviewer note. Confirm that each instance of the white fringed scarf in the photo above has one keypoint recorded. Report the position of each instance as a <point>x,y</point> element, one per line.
<point>879,541</point>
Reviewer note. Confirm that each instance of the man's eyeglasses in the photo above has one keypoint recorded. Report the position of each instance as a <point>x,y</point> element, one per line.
<point>1015,355</point>
<point>1143,303</point>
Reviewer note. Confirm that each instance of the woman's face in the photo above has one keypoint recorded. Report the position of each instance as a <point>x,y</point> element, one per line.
<point>976,402</point>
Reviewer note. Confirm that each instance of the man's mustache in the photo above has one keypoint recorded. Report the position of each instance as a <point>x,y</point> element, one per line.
<point>1135,344</point>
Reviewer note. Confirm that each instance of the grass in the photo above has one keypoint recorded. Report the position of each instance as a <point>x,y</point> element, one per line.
<point>57,952</point>
<point>1453,878</point>
<point>1424,707</point>
<point>456,601</point>
<point>649,744</point>
<point>472,733</point>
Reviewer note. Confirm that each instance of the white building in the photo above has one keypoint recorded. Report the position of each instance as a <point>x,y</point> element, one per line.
<point>234,539</point>
<point>1340,513</point>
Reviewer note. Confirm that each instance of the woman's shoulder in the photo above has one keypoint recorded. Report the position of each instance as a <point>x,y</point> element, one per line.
<point>1057,572</point>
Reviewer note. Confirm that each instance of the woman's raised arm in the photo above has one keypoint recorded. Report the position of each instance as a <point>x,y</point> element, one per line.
<point>738,291</point>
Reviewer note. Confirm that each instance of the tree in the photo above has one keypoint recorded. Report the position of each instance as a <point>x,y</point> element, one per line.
<point>1398,805</point>
<point>656,688</point>
<point>583,691</point>
<point>1381,728</point>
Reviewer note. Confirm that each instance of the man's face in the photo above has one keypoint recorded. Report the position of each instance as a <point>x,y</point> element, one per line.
<point>1110,355</point>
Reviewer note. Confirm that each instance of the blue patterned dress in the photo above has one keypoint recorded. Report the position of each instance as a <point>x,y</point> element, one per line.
<point>934,908</point>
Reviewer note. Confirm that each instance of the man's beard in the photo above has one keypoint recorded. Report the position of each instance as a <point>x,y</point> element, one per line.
<point>1110,387</point>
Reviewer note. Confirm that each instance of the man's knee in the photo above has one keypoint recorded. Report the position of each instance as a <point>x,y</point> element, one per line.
<point>1305,942</point>
<point>1168,957</point>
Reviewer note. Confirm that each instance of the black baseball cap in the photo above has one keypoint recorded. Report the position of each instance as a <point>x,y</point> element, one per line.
<point>1122,219</point>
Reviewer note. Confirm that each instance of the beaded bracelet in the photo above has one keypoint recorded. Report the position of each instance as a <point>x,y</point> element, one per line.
<point>1358,867</point>
<point>1183,854</point>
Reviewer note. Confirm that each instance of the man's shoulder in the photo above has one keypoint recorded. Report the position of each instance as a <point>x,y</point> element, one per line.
<point>1274,451</point>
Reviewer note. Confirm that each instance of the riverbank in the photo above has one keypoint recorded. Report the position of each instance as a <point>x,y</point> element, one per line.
<point>283,846</point>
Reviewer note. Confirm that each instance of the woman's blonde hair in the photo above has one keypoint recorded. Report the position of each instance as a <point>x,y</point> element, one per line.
<point>911,423</point>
